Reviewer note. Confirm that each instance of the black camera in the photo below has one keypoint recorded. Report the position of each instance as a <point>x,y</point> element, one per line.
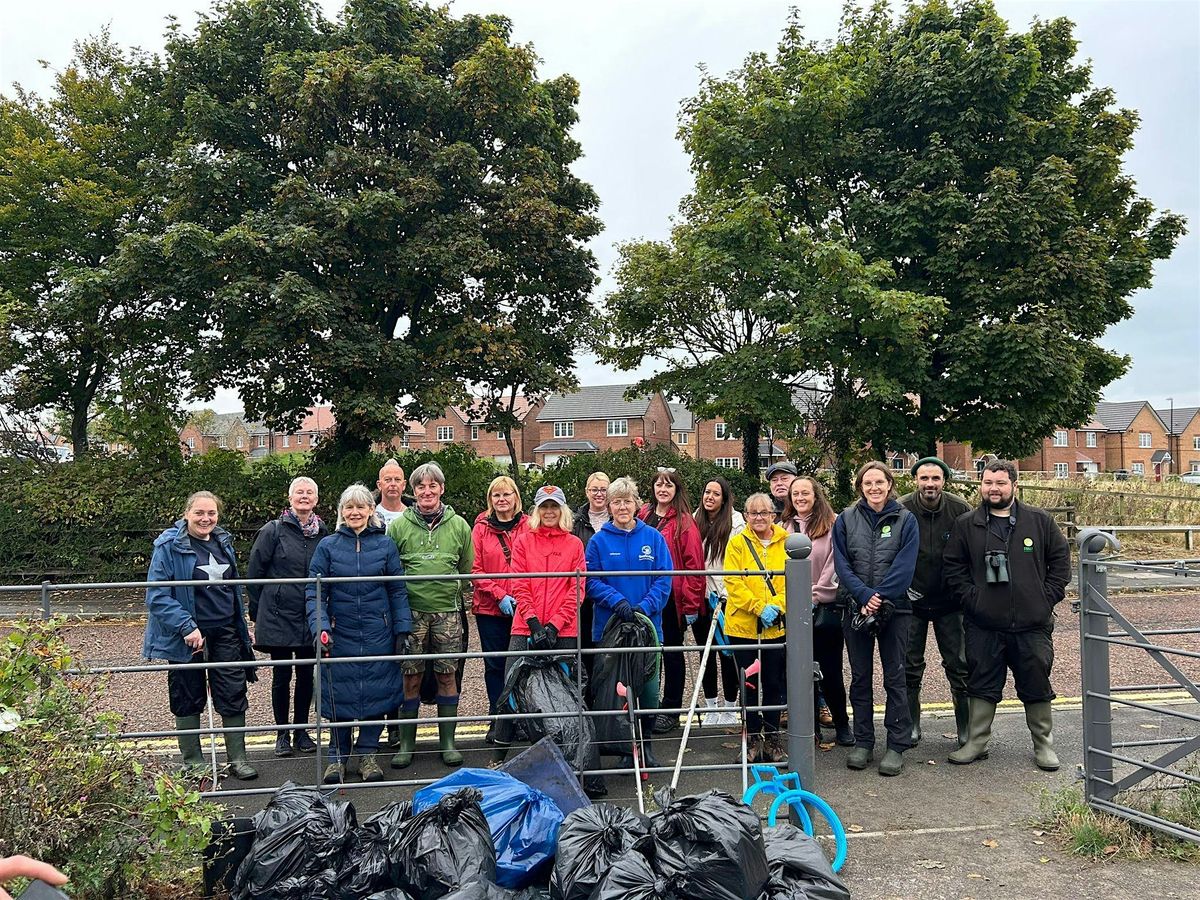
<point>996,566</point>
<point>873,622</point>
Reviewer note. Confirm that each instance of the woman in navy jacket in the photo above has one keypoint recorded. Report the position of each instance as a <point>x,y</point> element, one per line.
<point>359,618</point>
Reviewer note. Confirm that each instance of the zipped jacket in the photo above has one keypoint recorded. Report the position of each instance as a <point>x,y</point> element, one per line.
<point>642,551</point>
<point>551,600</point>
<point>933,531</point>
<point>749,595</point>
<point>687,552</point>
<point>875,553</point>
<point>493,556</point>
<point>444,549</point>
<point>281,550</point>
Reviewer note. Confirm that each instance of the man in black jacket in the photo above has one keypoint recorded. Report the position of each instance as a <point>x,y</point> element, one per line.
<point>1008,564</point>
<point>935,512</point>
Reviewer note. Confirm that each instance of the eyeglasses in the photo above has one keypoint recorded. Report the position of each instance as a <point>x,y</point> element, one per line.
<point>759,513</point>
<point>662,469</point>
<point>499,495</point>
<point>597,490</point>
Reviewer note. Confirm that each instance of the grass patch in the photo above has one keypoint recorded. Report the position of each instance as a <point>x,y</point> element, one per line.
<point>1083,831</point>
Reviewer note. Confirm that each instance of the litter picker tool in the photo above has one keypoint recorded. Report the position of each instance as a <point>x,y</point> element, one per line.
<point>744,675</point>
<point>687,726</point>
<point>630,705</point>
<point>212,734</point>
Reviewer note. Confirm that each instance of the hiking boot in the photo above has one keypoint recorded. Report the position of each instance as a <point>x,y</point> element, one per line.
<point>283,743</point>
<point>756,748</point>
<point>665,723</point>
<point>892,763</point>
<point>335,773</point>
<point>370,770</point>
<point>303,742</point>
<point>235,749</point>
<point>1038,716</point>
<point>774,750</point>
<point>979,732</point>
<point>824,716</point>
<point>859,757</point>
<point>408,740</point>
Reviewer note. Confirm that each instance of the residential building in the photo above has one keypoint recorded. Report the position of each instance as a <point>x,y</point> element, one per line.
<point>465,425</point>
<point>1183,426</point>
<point>598,417</point>
<point>231,431</point>
<point>228,431</point>
<point>1068,452</point>
<point>1135,439</point>
<point>683,429</point>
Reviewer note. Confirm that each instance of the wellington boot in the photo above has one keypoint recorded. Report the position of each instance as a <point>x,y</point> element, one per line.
<point>235,749</point>
<point>892,763</point>
<point>979,732</point>
<point>408,740</point>
<point>1039,718</point>
<point>914,710</point>
<point>189,744</point>
<point>962,716</point>
<point>450,755</point>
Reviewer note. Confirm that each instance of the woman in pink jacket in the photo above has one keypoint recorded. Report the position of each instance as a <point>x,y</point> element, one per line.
<point>807,511</point>
<point>547,608</point>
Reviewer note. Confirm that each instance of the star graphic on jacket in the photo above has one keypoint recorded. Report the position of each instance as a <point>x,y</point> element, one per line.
<point>215,570</point>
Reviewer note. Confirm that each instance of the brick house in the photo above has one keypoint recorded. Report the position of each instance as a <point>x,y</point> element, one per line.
<point>1067,452</point>
<point>465,425</point>
<point>1135,439</point>
<point>598,417</point>
<point>1184,427</point>
<point>683,429</point>
<point>231,431</point>
<point>225,430</point>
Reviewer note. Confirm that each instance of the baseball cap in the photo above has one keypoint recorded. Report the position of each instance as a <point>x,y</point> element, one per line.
<point>548,492</point>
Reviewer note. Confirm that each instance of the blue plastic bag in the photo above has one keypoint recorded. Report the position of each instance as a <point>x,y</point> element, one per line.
<point>524,822</point>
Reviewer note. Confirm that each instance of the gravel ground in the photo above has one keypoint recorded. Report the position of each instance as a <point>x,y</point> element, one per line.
<point>141,698</point>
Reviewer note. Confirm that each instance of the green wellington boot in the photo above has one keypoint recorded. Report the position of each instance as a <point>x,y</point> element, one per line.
<point>235,749</point>
<point>1039,718</point>
<point>189,745</point>
<point>450,755</point>
<point>914,710</point>
<point>408,740</point>
<point>962,715</point>
<point>979,732</point>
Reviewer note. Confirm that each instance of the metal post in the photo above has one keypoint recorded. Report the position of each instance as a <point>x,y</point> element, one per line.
<point>579,662</point>
<point>1094,668</point>
<point>45,601</point>
<point>797,573</point>
<point>317,686</point>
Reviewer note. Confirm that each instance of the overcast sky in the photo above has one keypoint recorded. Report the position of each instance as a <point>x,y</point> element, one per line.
<point>637,59</point>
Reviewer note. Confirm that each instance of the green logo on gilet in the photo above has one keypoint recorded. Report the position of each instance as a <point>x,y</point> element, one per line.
<point>1028,542</point>
<point>885,531</point>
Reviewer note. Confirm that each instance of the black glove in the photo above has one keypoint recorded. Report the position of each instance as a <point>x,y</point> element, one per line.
<point>326,643</point>
<point>545,638</point>
<point>401,642</point>
<point>623,611</point>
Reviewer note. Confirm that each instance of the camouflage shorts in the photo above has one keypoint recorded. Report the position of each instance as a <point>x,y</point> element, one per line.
<point>433,632</point>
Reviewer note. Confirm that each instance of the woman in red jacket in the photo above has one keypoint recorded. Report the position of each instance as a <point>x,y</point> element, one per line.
<point>671,514</point>
<point>546,546</point>
<point>494,536</point>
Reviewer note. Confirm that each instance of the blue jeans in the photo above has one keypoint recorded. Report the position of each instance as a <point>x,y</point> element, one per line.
<point>368,741</point>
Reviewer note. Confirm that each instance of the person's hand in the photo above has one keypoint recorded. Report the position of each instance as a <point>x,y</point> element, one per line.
<point>401,642</point>
<point>545,638</point>
<point>874,603</point>
<point>690,619</point>
<point>769,615</point>
<point>24,867</point>
<point>326,643</point>
<point>508,605</point>
<point>623,611</point>
<point>195,640</point>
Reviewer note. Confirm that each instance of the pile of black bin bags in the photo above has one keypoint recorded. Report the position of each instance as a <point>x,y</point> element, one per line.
<point>703,847</point>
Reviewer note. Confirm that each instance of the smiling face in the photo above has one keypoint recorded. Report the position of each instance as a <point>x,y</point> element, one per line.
<point>551,514</point>
<point>930,482</point>
<point>429,494</point>
<point>302,498</point>
<point>803,496</point>
<point>761,518</point>
<point>201,518</point>
<point>996,488</point>
<point>712,497</point>
<point>597,495</point>
<point>504,502</point>
<point>875,489</point>
<point>357,515</point>
<point>664,492</point>
<point>623,512</point>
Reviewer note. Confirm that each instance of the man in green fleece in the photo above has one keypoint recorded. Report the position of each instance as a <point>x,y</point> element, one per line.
<point>433,540</point>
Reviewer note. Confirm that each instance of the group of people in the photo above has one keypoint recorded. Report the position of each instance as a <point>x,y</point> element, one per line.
<point>882,571</point>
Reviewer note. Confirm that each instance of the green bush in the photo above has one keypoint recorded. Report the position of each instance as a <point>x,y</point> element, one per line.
<point>73,795</point>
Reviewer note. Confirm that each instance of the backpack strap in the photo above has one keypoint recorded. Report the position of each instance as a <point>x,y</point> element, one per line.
<point>758,560</point>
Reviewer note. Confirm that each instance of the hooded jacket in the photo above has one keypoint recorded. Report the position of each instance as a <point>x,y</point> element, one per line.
<point>489,544</point>
<point>582,523</point>
<point>715,583</point>
<point>445,549</point>
<point>749,595</point>
<point>933,530</point>
<point>362,617</point>
<point>687,552</point>
<point>552,600</point>
<point>281,550</point>
<point>824,576</point>
<point>642,550</point>
<point>874,553</point>
<point>1039,569</point>
<point>172,608</point>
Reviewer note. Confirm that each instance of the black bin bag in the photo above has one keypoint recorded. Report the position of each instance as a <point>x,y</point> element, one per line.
<point>634,670</point>
<point>366,867</point>
<point>445,846</point>
<point>799,867</point>
<point>710,846</point>
<point>632,878</point>
<point>543,684</point>
<point>390,894</point>
<point>301,838</point>
<point>483,890</point>
<point>588,842</point>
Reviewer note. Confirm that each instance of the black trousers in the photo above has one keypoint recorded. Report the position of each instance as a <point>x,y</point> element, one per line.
<point>494,632</point>
<point>951,641</point>
<point>828,646</point>
<point>772,677</point>
<point>860,649</point>
<point>281,685</point>
<point>715,659</point>
<point>506,727</point>
<point>674,667</point>
<point>187,689</point>
<point>1028,654</point>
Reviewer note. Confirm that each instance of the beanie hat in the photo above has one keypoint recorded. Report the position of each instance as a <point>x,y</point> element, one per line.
<point>931,461</point>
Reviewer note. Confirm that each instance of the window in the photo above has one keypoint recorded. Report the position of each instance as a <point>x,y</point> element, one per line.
<point>1196,443</point>
<point>681,438</point>
<point>312,441</point>
<point>445,433</point>
<point>898,463</point>
<point>287,440</point>
<point>720,431</point>
<point>1138,468</point>
<point>191,442</point>
<point>1091,439</point>
<point>474,432</point>
<point>618,427</point>
<point>1061,470</point>
<point>1196,466</point>
<point>501,435</point>
<point>564,429</point>
<point>404,442</point>
<point>1144,440</point>
<point>728,462</point>
<point>241,442</point>
<point>262,440</point>
<point>1060,439</point>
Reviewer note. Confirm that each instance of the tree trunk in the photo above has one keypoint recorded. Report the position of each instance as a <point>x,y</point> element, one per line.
<point>514,461</point>
<point>750,434</point>
<point>79,430</point>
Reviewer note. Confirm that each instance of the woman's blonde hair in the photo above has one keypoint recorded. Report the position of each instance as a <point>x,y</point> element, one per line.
<point>594,477</point>
<point>566,521</point>
<point>502,481</point>
<point>360,495</point>
<point>624,488</point>
<point>204,495</point>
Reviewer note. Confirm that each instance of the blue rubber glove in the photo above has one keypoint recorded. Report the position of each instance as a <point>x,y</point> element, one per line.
<point>769,615</point>
<point>507,604</point>
<point>690,620</point>
<point>623,611</point>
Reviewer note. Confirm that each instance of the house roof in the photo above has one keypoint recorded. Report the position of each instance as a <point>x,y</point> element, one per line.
<point>318,419</point>
<point>1182,417</point>
<point>681,417</point>
<point>222,422</point>
<point>601,401</point>
<point>776,450</point>
<point>1159,456</point>
<point>566,446</point>
<point>1119,416</point>
<point>1093,425</point>
<point>809,399</point>
<point>472,413</point>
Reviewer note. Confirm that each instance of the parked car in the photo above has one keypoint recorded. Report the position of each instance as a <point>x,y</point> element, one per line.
<point>1190,477</point>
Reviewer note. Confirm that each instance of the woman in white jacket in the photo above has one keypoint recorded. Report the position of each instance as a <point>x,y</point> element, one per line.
<point>718,520</point>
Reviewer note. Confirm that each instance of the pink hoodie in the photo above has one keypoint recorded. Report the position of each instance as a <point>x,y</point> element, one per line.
<point>824,577</point>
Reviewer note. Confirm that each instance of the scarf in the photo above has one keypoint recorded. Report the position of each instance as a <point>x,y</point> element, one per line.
<point>505,526</point>
<point>312,529</point>
<point>431,519</point>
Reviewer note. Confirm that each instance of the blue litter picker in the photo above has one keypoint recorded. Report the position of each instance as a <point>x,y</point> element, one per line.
<point>789,792</point>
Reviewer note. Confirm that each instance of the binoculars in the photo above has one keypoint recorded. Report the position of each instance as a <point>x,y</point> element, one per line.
<point>996,566</point>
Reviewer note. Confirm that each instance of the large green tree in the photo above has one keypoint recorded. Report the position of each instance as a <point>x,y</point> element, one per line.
<point>82,334</point>
<point>366,202</point>
<point>984,167</point>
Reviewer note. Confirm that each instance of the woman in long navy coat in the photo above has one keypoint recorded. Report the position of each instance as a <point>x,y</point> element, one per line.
<point>359,618</point>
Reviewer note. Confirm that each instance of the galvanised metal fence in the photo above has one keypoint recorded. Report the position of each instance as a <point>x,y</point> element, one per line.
<point>799,661</point>
<point>1111,768</point>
